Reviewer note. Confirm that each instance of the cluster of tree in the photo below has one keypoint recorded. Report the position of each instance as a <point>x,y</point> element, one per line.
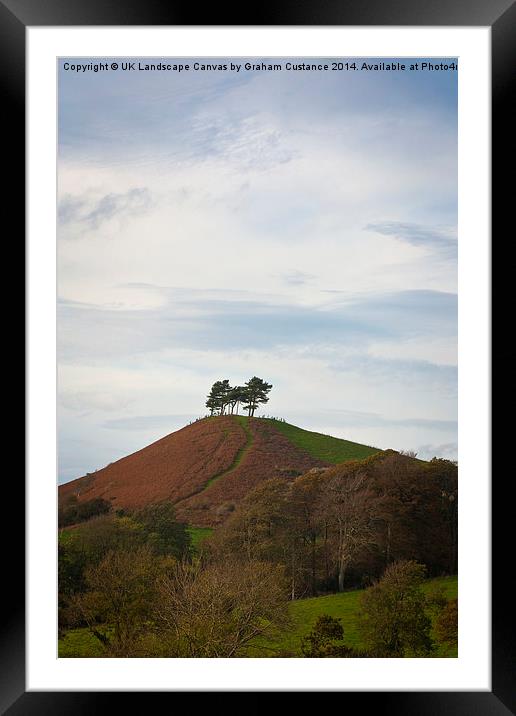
<point>84,547</point>
<point>135,583</point>
<point>225,399</point>
<point>340,527</point>
<point>394,620</point>
<point>73,511</point>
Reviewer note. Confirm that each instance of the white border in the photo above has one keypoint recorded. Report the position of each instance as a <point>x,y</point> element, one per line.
<point>471,671</point>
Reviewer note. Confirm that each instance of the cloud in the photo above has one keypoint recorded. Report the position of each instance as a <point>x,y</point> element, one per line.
<point>298,278</point>
<point>147,422</point>
<point>91,213</point>
<point>434,238</point>
<point>448,451</point>
<point>359,419</point>
<point>376,420</point>
<point>93,400</point>
<point>189,320</point>
<point>248,142</point>
<point>70,209</point>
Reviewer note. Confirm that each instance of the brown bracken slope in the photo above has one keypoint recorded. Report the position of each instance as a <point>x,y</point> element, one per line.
<point>205,469</point>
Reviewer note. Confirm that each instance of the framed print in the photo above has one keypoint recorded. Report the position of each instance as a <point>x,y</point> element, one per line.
<point>258,366</point>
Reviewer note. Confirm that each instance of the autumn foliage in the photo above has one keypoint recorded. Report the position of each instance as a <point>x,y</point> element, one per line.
<point>342,526</point>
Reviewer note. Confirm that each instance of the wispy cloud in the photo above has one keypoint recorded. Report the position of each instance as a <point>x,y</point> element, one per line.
<point>185,320</point>
<point>147,422</point>
<point>298,278</point>
<point>433,238</point>
<point>361,419</point>
<point>93,400</point>
<point>92,212</point>
<point>248,142</point>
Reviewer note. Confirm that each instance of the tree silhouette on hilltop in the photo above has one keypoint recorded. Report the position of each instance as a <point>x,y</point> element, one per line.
<point>223,399</point>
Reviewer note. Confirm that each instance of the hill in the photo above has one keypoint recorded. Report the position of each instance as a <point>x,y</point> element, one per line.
<point>207,467</point>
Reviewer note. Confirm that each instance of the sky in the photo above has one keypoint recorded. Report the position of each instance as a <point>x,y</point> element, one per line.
<point>298,226</point>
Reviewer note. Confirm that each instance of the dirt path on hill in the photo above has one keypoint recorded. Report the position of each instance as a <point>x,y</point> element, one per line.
<point>238,458</point>
<point>236,462</point>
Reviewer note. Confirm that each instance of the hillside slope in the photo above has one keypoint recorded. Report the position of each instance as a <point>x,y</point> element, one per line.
<point>325,447</point>
<point>206,468</point>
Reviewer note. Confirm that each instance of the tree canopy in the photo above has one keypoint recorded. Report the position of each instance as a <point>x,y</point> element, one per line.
<point>224,399</point>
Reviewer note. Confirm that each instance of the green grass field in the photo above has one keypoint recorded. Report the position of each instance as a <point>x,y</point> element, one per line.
<point>304,612</point>
<point>324,447</point>
<point>198,535</point>
<point>79,643</point>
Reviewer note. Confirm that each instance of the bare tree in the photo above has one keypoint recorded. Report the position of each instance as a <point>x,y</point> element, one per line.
<point>218,609</point>
<point>350,510</point>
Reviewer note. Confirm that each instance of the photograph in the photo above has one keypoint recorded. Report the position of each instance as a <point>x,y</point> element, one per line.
<point>257,369</point>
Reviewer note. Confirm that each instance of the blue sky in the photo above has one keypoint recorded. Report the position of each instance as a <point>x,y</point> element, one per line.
<point>297,226</point>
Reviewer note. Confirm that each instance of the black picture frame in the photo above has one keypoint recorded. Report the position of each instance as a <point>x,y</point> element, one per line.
<point>500,16</point>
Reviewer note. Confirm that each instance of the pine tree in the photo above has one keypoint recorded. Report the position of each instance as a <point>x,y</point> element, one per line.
<point>218,397</point>
<point>255,393</point>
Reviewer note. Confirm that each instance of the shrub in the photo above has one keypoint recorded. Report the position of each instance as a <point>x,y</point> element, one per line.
<point>74,512</point>
<point>325,639</point>
<point>392,618</point>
